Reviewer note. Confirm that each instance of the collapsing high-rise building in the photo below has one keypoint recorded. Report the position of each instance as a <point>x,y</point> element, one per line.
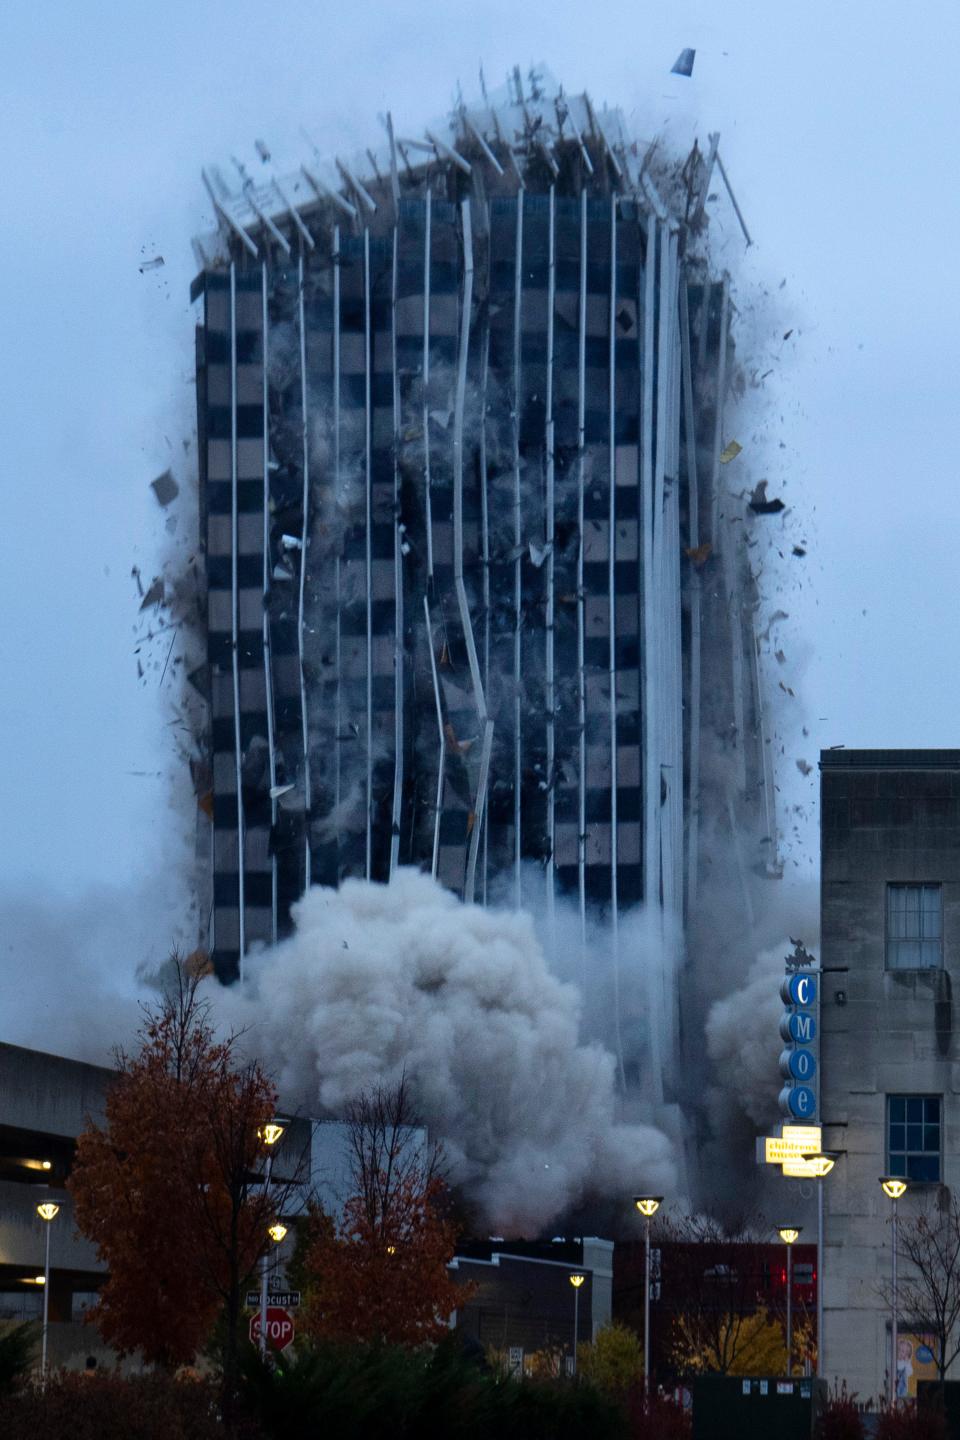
<point>461,440</point>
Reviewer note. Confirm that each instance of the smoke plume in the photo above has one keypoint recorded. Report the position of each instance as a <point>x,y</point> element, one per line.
<point>381,979</point>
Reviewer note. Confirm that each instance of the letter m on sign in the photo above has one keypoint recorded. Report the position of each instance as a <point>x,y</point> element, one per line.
<point>803,1026</point>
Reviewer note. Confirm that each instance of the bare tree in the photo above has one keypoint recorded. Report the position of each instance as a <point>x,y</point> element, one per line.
<point>380,1272</point>
<point>928,1248</point>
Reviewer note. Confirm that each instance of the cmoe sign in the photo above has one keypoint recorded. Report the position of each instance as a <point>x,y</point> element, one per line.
<point>798,1063</point>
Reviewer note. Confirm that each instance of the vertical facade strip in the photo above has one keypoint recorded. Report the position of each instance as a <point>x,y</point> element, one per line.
<point>486,726</point>
<point>235,618</point>
<point>398,668</point>
<point>517,543</point>
<point>581,597</point>
<point>696,617</point>
<point>368,488</point>
<point>267,648</point>
<point>304,547</point>
<point>612,673</point>
<point>485,551</point>
<point>425,417</point>
<point>338,544</point>
<point>550,536</point>
<point>441,761</point>
<point>649,688</point>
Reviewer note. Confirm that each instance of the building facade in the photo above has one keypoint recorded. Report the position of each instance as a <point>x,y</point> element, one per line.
<point>890,1066</point>
<point>476,599</point>
<point>521,1297</point>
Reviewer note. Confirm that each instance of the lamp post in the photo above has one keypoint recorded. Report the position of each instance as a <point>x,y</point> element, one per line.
<point>893,1187</point>
<point>269,1134</point>
<point>824,1163</point>
<point>576,1281</point>
<point>648,1205</point>
<point>789,1234</point>
<point>48,1212</point>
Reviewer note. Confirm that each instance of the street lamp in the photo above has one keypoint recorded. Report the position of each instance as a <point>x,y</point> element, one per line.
<point>648,1205</point>
<point>576,1281</point>
<point>48,1212</point>
<point>269,1134</point>
<point>893,1187</point>
<point>789,1234</point>
<point>823,1164</point>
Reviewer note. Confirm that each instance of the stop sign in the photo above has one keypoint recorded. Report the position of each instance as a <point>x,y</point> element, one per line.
<point>280,1329</point>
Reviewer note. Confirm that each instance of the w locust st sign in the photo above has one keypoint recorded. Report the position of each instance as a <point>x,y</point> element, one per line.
<point>280,1328</point>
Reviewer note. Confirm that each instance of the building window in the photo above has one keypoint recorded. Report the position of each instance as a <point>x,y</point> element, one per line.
<point>913,1137</point>
<point>914,927</point>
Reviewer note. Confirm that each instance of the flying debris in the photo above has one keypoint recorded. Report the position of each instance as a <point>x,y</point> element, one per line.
<point>154,264</point>
<point>799,551</point>
<point>683,65</point>
<point>699,555</point>
<point>760,504</point>
<point>165,488</point>
<point>730,452</point>
<point>155,595</point>
<point>263,150</point>
<point>804,767</point>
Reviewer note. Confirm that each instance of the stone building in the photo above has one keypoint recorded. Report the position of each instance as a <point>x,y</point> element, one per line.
<point>890,1077</point>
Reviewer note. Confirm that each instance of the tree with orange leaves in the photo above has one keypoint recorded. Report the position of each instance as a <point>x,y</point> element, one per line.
<point>168,1187</point>
<point>381,1274</point>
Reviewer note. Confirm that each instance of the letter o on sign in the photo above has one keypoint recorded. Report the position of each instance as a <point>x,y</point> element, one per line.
<point>798,1064</point>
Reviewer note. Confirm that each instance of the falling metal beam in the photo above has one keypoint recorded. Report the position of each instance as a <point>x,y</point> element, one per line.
<point>326,192</point>
<point>224,214</point>
<point>448,153</point>
<point>359,189</point>
<point>264,219</point>
<point>294,214</point>
<point>488,153</point>
<point>733,199</point>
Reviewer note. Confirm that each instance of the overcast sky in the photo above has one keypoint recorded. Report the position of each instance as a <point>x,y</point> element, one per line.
<point>839,126</point>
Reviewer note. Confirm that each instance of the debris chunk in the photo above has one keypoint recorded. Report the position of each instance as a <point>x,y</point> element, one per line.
<point>803,767</point>
<point>683,65</point>
<point>165,488</point>
<point>699,555</point>
<point>262,149</point>
<point>799,551</point>
<point>154,595</point>
<point>154,264</point>
<point>760,504</point>
<point>730,453</point>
